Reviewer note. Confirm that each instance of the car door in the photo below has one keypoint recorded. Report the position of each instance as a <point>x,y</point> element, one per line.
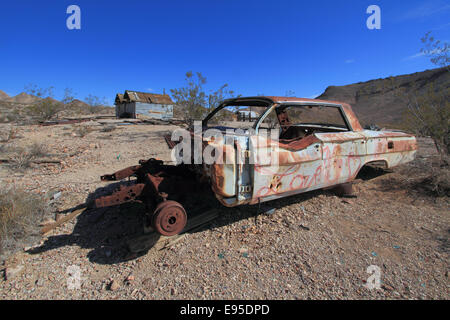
<point>343,156</point>
<point>281,169</point>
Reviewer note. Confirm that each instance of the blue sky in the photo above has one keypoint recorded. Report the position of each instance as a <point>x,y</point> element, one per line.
<point>256,47</point>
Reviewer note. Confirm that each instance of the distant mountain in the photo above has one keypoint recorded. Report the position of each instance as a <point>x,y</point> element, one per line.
<point>78,104</point>
<point>378,102</point>
<point>3,95</point>
<point>23,98</point>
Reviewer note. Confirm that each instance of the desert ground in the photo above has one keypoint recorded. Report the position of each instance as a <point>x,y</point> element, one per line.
<point>314,246</point>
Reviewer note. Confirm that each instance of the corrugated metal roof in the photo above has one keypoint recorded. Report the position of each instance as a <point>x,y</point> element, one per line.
<point>119,98</point>
<point>145,97</point>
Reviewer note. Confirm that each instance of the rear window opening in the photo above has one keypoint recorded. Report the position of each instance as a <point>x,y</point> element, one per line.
<point>300,121</point>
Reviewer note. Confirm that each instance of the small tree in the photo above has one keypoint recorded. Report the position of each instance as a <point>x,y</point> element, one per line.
<point>94,102</point>
<point>45,107</point>
<point>437,51</point>
<point>289,93</point>
<point>214,100</point>
<point>216,97</point>
<point>192,101</point>
<point>428,113</point>
<point>68,96</point>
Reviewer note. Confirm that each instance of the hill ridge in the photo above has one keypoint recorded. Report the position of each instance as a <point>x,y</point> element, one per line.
<point>376,101</point>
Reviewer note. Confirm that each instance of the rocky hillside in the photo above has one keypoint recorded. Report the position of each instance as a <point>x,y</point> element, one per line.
<point>24,98</point>
<point>3,95</point>
<point>17,108</point>
<point>379,101</point>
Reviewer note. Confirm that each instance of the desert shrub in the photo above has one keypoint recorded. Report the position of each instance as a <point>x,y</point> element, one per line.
<point>108,128</point>
<point>13,117</point>
<point>21,160</point>
<point>81,131</point>
<point>95,104</point>
<point>38,150</point>
<point>429,175</point>
<point>20,213</point>
<point>436,182</point>
<point>4,148</point>
<point>23,156</point>
<point>9,134</point>
<point>192,102</point>
<point>429,115</point>
<point>45,109</point>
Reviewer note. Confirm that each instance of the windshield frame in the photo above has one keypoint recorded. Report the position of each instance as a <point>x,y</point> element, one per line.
<point>251,101</point>
<point>271,106</point>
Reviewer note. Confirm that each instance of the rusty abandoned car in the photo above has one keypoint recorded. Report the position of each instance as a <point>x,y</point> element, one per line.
<point>319,144</point>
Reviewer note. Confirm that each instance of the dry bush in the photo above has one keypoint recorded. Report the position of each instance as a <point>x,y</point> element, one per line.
<point>10,117</point>
<point>38,150</point>
<point>428,114</point>
<point>192,102</point>
<point>23,157</point>
<point>108,128</point>
<point>81,131</point>
<point>4,148</point>
<point>21,160</point>
<point>45,109</point>
<point>429,176</point>
<point>437,182</point>
<point>20,213</point>
<point>9,134</point>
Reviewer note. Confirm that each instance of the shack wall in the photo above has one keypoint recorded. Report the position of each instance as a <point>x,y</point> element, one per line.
<point>151,110</point>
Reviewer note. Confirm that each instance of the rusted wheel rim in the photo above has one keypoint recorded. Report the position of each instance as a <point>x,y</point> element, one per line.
<point>169,218</point>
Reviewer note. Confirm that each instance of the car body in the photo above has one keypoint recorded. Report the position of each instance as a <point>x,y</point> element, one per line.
<point>326,156</point>
<point>312,144</point>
